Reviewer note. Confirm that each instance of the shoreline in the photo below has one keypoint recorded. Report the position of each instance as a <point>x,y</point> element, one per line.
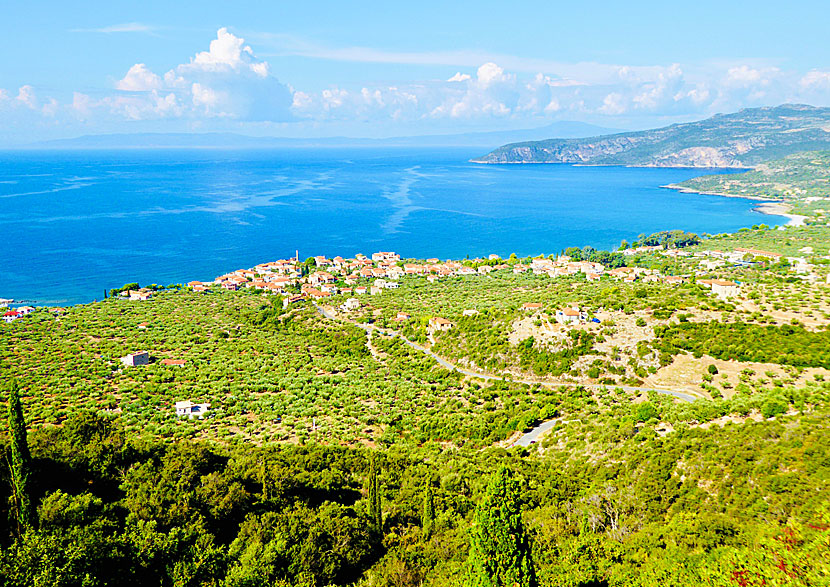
<point>767,206</point>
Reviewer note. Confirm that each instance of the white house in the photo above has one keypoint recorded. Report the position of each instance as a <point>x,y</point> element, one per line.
<point>569,316</point>
<point>724,289</point>
<point>136,359</point>
<point>350,305</point>
<point>139,296</point>
<point>191,410</point>
<point>11,316</point>
<point>439,324</point>
<point>385,256</point>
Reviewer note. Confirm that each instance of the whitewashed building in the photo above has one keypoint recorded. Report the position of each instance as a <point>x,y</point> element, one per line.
<point>136,359</point>
<point>191,410</point>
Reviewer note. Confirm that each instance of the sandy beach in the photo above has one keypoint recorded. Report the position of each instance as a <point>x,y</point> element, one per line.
<point>781,209</point>
<point>771,207</point>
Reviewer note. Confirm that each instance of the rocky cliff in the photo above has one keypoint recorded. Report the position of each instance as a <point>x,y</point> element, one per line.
<point>741,139</point>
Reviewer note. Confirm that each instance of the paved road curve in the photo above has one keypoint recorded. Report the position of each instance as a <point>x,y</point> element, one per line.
<point>532,435</point>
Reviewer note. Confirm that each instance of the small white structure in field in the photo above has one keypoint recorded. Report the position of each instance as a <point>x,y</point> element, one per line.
<point>138,295</point>
<point>724,289</point>
<point>136,359</point>
<point>570,316</point>
<point>191,410</point>
<point>439,324</point>
<point>350,305</point>
<point>11,316</point>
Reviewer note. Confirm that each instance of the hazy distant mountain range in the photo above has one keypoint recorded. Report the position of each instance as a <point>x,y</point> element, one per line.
<point>741,139</point>
<point>483,140</point>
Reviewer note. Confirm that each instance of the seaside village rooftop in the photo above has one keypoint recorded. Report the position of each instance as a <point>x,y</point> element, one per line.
<point>360,275</point>
<point>321,277</point>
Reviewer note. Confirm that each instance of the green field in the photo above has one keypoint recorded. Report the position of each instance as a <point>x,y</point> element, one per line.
<point>329,457</point>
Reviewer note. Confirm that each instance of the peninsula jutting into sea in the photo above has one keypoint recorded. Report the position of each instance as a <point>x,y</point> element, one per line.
<point>414,295</point>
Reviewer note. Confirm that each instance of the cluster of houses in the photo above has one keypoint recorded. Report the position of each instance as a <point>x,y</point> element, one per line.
<point>564,266</point>
<point>17,313</point>
<point>382,271</point>
<point>363,275</point>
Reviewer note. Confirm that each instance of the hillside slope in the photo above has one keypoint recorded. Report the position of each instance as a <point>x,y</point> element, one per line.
<point>741,139</point>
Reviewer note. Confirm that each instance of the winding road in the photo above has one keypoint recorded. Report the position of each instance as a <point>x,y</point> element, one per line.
<point>532,435</point>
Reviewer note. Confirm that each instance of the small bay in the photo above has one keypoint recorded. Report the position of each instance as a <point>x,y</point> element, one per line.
<point>76,222</point>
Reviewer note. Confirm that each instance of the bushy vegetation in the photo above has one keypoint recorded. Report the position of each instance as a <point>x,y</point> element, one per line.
<point>335,453</point>
<point>610,502</point>
<point>543,361</point>
<point>785,345</point>
<point>792,179</point>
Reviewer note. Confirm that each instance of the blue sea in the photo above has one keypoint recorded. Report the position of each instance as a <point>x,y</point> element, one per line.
<point>75,223</point>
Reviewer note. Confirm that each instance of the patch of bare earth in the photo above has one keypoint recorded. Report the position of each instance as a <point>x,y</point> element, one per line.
<point>815,320</point>
<point>686,373</point>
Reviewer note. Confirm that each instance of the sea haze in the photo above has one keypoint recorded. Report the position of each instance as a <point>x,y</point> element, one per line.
<point>77,222</point>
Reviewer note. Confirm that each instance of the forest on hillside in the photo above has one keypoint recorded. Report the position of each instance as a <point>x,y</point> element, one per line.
<point>611,502</point>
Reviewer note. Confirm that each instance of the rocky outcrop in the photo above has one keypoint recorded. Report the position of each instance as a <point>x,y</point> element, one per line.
<point>742,139</point>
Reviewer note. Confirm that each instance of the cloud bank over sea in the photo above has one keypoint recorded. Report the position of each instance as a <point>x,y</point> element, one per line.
<point>229,86</point>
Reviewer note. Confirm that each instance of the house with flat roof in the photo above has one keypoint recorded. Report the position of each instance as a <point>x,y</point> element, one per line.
<point>191,410</point>
<point>138,359</point>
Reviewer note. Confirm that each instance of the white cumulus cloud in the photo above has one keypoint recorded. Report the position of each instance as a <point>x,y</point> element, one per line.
<point>227,52</point>
<point>226,81</point>
<point>139,79</point>
<point>459,77</point>
<point>26,96</point>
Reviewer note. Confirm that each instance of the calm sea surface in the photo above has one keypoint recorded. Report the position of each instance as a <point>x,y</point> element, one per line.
<point>74,223</point>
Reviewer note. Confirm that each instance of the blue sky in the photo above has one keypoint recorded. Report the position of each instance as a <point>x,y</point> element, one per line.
<point>389,68</point>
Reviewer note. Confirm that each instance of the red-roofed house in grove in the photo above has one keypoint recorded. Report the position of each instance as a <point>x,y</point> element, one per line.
<point>439,324</point>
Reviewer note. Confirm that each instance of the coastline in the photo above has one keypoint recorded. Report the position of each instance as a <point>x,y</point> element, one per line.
<point>766,206</point>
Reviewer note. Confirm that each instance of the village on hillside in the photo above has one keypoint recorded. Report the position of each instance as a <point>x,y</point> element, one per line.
<point>361,275</point>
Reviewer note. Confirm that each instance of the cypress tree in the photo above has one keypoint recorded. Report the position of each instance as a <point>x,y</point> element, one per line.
<point>500,551</point>
<point>21,462</point>
<point>375,511</point>
<point>428,517</point>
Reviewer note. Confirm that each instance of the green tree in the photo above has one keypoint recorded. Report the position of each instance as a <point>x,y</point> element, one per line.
<point>428,517</point>
<point>21,463</point>
<point>375,511</point>
<point>500,551</point>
